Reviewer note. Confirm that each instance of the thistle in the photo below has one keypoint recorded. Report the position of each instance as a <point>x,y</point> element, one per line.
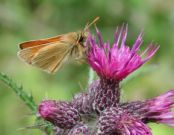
<point>113,64</point>
<point>99,111</point>
<point>61,114</point>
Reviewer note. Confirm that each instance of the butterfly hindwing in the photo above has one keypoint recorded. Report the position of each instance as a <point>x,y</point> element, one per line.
<point>50,58</point>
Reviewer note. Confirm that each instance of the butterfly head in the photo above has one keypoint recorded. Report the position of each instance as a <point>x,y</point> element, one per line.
<point>82,35</point>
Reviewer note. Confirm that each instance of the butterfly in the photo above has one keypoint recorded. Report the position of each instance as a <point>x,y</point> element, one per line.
<point>49,54</point>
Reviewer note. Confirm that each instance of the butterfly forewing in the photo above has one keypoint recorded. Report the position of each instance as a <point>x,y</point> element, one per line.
<point>35,43</point>
<point>49,54</point>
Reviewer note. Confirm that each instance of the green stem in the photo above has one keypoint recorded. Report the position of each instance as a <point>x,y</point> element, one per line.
<point>91,76</point>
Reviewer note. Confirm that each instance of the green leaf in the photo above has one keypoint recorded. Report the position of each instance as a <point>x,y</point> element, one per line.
<point>27,98</point>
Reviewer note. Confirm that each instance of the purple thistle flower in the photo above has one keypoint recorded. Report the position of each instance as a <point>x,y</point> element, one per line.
<point>118,61</point>
<point>116,121</point>
<point>61,114</point>
<point>113,64</point>
<point>158,109</point>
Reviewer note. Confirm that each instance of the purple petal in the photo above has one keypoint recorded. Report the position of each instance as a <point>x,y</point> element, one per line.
<point>99,37</point>
<point>124,35</point>
<point>137,43</point>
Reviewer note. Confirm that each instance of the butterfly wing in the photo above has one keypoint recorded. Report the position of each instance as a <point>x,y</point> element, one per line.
<point>47,54</point>
<point>27,54</point>
<point>51,58</point>
<point>30,49</point>
<point>40,42</point>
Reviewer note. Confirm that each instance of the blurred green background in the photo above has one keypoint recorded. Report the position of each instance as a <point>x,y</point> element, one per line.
<point>22,20</point>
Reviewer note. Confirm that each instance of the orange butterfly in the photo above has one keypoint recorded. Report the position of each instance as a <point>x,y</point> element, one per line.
<point>49,54</point>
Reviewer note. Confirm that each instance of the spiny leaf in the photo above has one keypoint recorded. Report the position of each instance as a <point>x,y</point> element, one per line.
<point>27,98</point>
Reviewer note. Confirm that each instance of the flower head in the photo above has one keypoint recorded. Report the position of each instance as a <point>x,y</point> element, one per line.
<point>61,114</point>
<point>158,109</point>
<point>118,61</point>
<point>115,121</point>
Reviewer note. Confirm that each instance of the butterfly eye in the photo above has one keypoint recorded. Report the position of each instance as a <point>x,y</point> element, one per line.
<point>81,40</point>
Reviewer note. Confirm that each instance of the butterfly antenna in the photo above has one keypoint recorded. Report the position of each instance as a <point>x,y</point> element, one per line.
<point>93,22</point>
